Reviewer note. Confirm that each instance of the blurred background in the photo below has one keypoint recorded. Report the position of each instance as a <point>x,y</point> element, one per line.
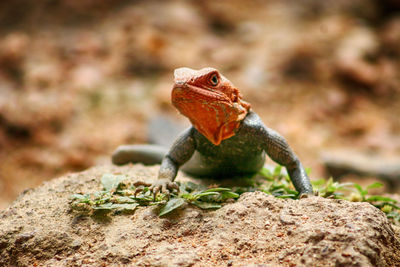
<point>80,77</point>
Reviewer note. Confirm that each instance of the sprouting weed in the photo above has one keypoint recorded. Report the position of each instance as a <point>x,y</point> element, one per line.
<point>279,185</point>
<point>118,195</point>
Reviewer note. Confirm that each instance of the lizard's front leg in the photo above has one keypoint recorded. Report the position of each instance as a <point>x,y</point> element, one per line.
<point>278,150</point>
<point>180,152</point>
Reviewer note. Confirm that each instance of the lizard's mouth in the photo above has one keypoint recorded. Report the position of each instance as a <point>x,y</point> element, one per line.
<point>183,92</point>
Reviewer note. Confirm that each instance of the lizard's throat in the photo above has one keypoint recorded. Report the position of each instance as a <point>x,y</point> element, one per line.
<point>216,120</point>
<point>216,133</point>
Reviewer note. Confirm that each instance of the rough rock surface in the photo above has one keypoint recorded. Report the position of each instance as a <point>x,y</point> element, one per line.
<point>340,162</point>
<point>40,229</point>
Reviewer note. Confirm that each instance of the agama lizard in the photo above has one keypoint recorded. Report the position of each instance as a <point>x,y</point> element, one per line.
<point>226,138</point>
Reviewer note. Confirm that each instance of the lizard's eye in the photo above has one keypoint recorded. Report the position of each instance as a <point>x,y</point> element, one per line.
<point>214,79</point>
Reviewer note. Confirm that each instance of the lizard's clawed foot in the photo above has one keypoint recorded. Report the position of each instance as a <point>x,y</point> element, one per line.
<point>307,194</point>
<point>165,186</point>
<point>140,187</point>
<point>304,195</point>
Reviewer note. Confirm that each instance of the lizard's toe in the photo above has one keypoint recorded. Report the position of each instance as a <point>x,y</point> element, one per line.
<point>172,185</point>
<point>303,195</point>
<point>138,190</point>
<point>139,186</point>
<point>141,183</point>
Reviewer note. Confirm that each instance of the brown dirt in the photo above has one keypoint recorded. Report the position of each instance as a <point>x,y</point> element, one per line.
<point>40,229</point>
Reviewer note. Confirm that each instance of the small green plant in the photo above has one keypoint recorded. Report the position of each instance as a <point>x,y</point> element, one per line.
<point>275,183</point>
<point>279,185</point>
<point>118,195</point>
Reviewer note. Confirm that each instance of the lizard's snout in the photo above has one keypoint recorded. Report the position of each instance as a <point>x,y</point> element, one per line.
<point>182,75</point>
<point>179,83</point>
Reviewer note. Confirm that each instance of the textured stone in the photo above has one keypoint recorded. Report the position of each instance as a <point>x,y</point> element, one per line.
<point>39,228</point>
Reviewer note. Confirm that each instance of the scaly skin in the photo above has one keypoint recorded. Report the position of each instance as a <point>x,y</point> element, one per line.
<point>227,138</point>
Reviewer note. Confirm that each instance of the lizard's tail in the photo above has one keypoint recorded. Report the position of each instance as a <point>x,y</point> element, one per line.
<point>162,132</point>
<point>146,154</point>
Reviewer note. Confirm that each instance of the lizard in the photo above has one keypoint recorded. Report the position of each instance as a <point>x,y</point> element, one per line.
<point>226,139</point>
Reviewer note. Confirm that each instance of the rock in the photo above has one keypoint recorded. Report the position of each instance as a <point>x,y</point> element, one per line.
<point>344,161</point>
<point>40,229</point>
<point>351,54</point>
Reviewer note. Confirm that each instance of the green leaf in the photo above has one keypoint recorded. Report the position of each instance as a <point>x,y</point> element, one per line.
<point>360,190</point>
<point>123,200</point>
<point>380,198</point>
<point>387,209</point>
<point>188,196</point>
<point>111,181</point>
<point>374,185</point>
<point>277,171</point>
<point>345,185</point>
<point>219,189</point>
<point>229,194</point>
<point>171,205</point>
<point>105,206</point>
<point>204,194</point>
<point>292,192</point>
<point>206,205</point>
<point>266,173</point>
<point>393,205</point>
<point>319,182</point>
<point>125,206</point>
<point>142,198</point>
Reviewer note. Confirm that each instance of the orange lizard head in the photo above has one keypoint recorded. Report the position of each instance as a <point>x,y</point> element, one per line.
<point>210,101</point>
